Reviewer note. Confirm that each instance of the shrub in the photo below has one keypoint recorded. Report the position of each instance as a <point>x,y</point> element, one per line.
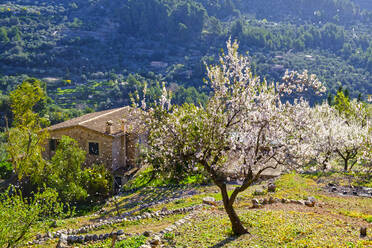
<point>6,170</point>
<point>18,215</point>
<point>98,181</point>
<point>65,173</point>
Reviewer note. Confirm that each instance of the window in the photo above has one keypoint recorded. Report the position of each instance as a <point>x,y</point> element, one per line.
<point>93,148</point>
<point>53,143</point>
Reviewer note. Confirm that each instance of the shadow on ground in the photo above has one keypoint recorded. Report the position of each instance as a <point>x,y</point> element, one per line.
<point>224,242</point>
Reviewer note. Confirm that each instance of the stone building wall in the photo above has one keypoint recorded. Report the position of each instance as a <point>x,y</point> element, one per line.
<point>131,149</point>
<point>83,136</point>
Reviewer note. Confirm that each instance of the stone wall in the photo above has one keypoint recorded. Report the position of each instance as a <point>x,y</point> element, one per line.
<point>83,136</point>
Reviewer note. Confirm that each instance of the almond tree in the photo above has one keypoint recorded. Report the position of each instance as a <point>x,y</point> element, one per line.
<point>244,130</point>
<point>341,134</point>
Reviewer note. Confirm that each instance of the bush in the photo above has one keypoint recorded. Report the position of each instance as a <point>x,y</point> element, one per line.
<point>6,170</point>
<point>98,181</point>
<point>65,173</point>
<point>19,215</point>
<point>72,182</point>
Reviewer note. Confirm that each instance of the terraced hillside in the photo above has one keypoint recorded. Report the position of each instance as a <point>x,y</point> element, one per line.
<point>75,45</point>
<point>177,217</point>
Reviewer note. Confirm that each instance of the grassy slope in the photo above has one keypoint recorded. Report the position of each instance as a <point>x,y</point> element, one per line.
<point>334,222</point>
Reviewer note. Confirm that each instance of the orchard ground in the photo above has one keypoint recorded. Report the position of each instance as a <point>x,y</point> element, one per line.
<point>334,221</point>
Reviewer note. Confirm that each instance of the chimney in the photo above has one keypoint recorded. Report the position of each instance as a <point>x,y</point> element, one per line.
<point>109,124</point>
<point>123,128</point>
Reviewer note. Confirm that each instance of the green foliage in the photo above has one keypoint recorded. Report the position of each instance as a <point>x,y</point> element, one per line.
<point>25,101</point>
<point>6,170</point>
<point>369,219</point>
<point>65,173</point>
<point>4,39</point>
<point>335,33</point>
<point>342,103</point>
<point>27,136</point>
<point>18,215</point>
<point>133,242</point>
<point>150,177</point>
<point>98,181</point>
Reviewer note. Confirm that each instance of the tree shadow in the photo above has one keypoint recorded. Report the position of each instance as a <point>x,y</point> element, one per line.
<point>224,242</point>
<point>137,200</point>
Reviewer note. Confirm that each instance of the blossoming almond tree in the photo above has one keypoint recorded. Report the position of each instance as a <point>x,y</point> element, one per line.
<point>244,130</point>
<point>343,134</point>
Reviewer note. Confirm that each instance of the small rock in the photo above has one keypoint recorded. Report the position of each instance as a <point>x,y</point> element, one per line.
<point>271,200</point>
<point>259,192</point>
<point>147,233</point>
<point>309,203</point>
<point>312,199</point>
<point>62,243</point>
<point>155,241</point>
<point>334,189</point>
<point>271,187</point>
<point>87,238</point>
<point>255,203</point>
<point>164,209</point>
<point>120,232</point>
<point>210,201</point>
<point>80,239</point>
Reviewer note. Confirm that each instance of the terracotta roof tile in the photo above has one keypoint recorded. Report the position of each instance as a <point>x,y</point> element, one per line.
<point>98,121</point>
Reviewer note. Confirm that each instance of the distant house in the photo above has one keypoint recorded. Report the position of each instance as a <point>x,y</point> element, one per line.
<point>111,137</point>
<point>158,64</point>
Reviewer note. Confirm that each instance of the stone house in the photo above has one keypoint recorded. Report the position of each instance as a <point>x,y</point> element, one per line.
<point>111,137</point>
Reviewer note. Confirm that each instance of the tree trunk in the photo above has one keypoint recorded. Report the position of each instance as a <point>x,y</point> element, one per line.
<point>346,164</point>
<point>236,224</point>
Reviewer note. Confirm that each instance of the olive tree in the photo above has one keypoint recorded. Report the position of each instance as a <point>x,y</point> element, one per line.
<point>245,129</point>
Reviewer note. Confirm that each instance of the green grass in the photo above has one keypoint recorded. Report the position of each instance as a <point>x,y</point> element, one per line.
<point>277,228</point>
<point>294,186</point>
<point>334,222</point>
<point>132,242</point>
<point>144,178</point>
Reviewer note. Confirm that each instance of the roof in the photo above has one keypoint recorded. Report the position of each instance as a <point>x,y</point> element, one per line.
<point>97,121</point>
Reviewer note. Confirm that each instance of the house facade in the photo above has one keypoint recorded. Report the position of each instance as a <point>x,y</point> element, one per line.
<point>112,137</point>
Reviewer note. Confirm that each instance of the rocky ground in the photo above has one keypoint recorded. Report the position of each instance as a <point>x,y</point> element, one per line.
<point>349,190</point>
<point>292,212</point>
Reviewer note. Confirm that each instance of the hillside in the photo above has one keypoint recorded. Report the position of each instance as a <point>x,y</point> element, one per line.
<point>177,217</point>
<point>94,53</point>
